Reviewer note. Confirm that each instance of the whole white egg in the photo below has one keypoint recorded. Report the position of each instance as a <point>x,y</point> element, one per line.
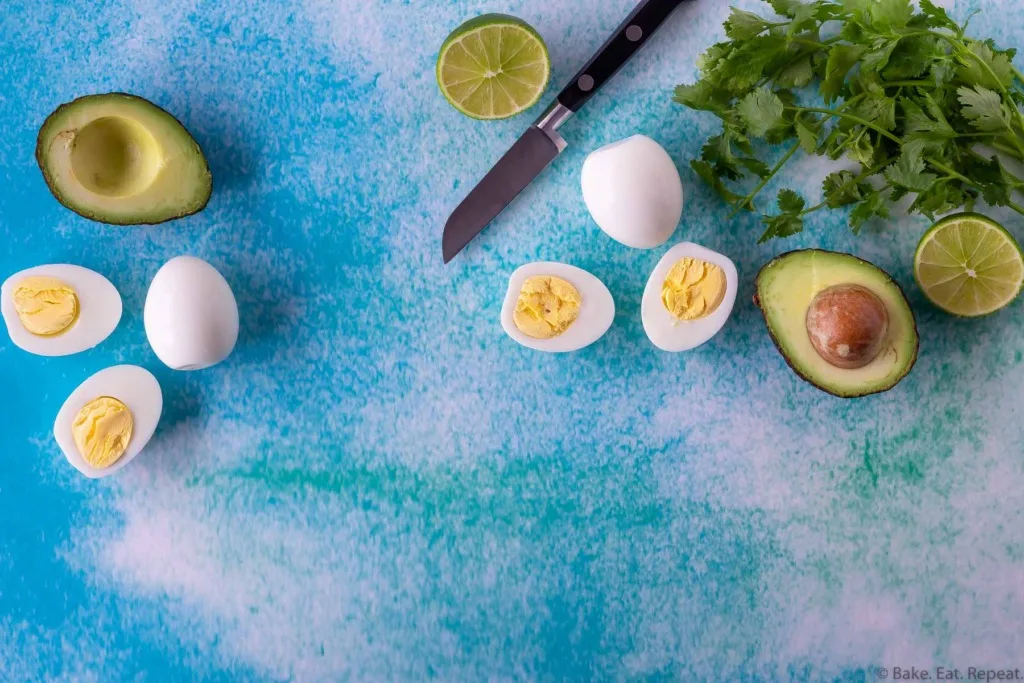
<point>633,190</point>
<point>98,310</point>
<point>191,316</point>
<point>595,315</point>
<point>666,331</point>
<point>133,386</point>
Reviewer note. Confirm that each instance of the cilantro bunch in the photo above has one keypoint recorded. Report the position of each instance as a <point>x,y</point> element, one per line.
<point>920,108</point>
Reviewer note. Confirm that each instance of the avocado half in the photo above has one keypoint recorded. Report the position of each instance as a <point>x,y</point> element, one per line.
<point>120,159</point>
<point>788,284</point>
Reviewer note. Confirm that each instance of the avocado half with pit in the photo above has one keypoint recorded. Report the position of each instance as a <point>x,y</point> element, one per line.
<point>841,323</point>
<point>120,159</point>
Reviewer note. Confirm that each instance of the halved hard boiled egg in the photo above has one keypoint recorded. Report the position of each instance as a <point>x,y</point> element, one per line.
<point>556,307</point>
<point>59,309</point>
<point>688,298</point>
<point>109,419</point>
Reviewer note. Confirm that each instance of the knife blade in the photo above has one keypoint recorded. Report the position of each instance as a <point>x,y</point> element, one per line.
<point>523,162</point>
<point>541,143</point>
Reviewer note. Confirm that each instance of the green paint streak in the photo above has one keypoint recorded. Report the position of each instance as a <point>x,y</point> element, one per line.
<point>867,463</point>
<point>543,492</point>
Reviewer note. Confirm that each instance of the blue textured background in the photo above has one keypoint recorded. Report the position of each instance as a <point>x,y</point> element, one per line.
<point>379,485</point>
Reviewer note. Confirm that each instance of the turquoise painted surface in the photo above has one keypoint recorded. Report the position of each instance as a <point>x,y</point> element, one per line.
<point>379,485</point>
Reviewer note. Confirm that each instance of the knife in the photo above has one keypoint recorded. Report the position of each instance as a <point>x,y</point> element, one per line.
<point>541,143</point>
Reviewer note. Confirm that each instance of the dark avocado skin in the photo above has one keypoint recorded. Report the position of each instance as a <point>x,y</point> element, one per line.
<point>775,340</point>
<point>41,154</point>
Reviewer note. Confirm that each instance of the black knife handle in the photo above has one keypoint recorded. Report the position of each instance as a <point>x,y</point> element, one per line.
<point>638,27</point>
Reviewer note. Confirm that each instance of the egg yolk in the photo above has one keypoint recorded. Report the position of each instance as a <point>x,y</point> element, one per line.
<point>102,430</point>
<point>547,306</point>
<point>693,289</point>
<point>45,305</point>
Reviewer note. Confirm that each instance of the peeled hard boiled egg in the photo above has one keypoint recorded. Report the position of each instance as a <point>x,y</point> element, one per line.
<point>59,309</point>
<point>556,307</point>
<point>191,315</point>
<point>633,190</point>
<point>109,419</point>
<point>688,297</point>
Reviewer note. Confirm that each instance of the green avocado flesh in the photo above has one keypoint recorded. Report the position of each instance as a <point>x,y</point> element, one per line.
<point>787,286</point>
<point>120,159</point>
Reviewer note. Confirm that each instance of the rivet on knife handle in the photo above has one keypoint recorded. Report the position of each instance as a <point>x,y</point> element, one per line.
<point>541,143</point>
<point>629,37</point>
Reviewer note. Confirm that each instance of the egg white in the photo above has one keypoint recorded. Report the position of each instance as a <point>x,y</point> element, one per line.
<point>137,388</point>
<point>99,311</point>
<point>191,315</point>
<point>633,191</point>
<point>663,329</point>
<point>597,308</point>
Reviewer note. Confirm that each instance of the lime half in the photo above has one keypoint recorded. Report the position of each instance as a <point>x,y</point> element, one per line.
<point>493,67</point>
<point>969,265</point>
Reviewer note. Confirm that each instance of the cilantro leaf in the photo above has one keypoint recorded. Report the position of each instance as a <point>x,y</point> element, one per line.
<point>755,166</point>
<point>940,198</point>
<point>936,17</point>
<point>861,9</point>
<point>717,151</point>
<point>873,205</point>
<point>982,65</point>
<point>984,108</point>
<point>796,75</point>
<point>878,108</point>
<point>908,173</point>
<point>713,58</point>
<point>708,175</point>
<point>922,133</point>
<point>761,111</point>
<point>941,70</point>
<point>804,16</point>
<point>808,138</point>
<point>862,149</point>
<point>702,95</point>
<point>786,8</point>
<point>919,95</point>
<point>841,188</point>
<point>789,222</point>
<point>912,58</point>
<point>790,202</point>
<point>889,14</point>
<point>995,181</point>
<point>841,58</point>
<point>743,25</point>
<point>783,225</point>
<point>746,64</point>
<point>877,56</point>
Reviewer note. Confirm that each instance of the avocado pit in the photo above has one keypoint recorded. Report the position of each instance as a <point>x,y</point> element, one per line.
<point>847,325</point>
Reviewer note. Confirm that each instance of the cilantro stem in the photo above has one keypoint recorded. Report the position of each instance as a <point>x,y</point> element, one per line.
<point>1012,151</point>
<point>908,84</point>
<point>745,202</point>
<point>964,179</point>
<point>938,165</point>
<point>811,43</point>
<point>962,50</point>
<point>849,183</point>
<point>849,117</point>
<point>1018,74</point>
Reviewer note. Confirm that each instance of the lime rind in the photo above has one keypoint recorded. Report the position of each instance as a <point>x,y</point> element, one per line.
<point>969,266</point>
<point>493,67</point>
